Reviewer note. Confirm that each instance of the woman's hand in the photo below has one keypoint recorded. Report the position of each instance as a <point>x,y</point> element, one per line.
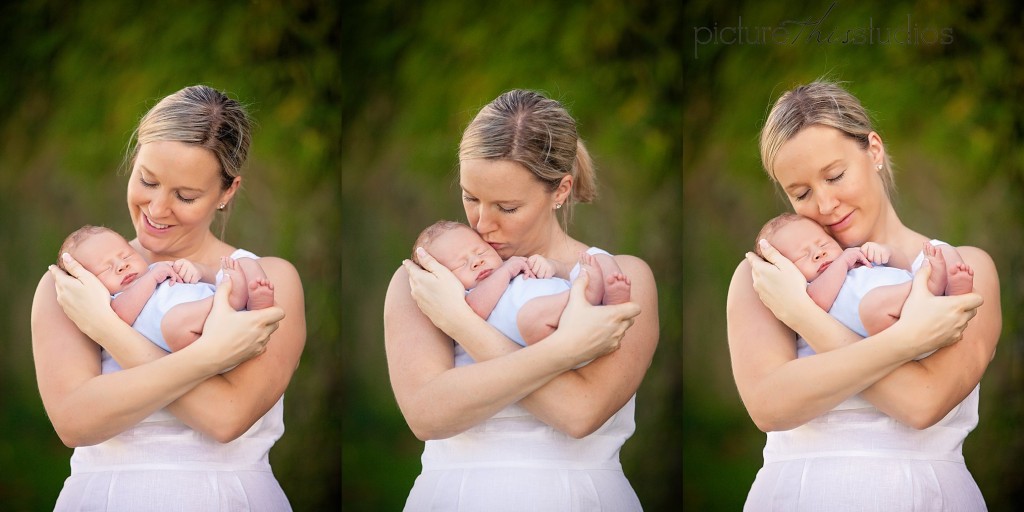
<point>935,321</point>
<point>438,293</point>
<point>596,330</point>
<point>779,284</point>
<point>236,336</point>
<point>82,296</point>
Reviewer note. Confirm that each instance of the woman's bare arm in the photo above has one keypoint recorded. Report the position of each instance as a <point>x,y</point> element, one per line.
<point>438,399</point>
<point>779,391</point>
<point>920,393</point>
<point>84,406</point>
<point>227,405</point>
<point>579,401</point>
<point>221,406</point>
<point>927,320</point>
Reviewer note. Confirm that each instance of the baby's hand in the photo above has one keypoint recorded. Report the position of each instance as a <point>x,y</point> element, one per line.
<point>516,265</point>
<point>163,271</point>
<point>541,266</point>
<point>877,253</point>
<point>854,257</point>
<point>186,270</point>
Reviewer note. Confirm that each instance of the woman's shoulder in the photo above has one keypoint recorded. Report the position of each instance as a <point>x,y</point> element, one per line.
<point>636,269</point>
<point>398,286</point>
<point>633,262</point>
<point>974,252</point>
<point>280,269</point>
<point>45,289</point>
<point>977,258</point>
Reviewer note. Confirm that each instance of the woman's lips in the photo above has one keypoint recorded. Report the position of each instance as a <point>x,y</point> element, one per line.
<point>155,226</point>
<point>841,224</point>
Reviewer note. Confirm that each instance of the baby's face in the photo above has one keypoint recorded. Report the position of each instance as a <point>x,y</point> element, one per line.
<point>109,257</point>
<point>463,252</point>
<point>807,245</point>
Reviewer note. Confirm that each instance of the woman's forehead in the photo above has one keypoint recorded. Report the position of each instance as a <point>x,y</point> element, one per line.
<point>813,149</point>
<point>178,161</point>
<point>497,179</point>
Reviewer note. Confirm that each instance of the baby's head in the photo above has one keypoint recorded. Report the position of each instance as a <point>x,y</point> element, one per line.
<point>106,255</point>
<point>459,249</point>
<point>802,241</point>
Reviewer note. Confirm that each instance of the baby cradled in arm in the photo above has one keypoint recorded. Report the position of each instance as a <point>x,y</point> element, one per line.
<point>165,301</point>
<point>856,277</point>
<point>522,297</point>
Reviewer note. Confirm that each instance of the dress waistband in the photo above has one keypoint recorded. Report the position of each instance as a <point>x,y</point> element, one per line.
<point>263,467</point>
<point>865,433</point>
<point>517,450</point>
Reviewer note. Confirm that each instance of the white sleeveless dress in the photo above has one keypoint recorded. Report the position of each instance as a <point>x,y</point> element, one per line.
<point>161,465</point>
<point>855,458</point>
<point>513,462</point>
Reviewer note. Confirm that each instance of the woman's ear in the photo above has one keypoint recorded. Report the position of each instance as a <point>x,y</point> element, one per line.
<point>876,149</point>
<point>563,190</point>
<point>226,195</point>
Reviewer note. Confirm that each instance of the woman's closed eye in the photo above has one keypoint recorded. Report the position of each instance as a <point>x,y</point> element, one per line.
<point>834,179</point>
<point>186,200</point>
<point>507,210</point>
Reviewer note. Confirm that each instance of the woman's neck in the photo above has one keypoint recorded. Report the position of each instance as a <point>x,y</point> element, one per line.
<point>207,250</point>
<point>561,247</point>
<point>899,238</point>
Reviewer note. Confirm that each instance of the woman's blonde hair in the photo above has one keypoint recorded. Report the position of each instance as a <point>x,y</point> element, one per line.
<point>201,116</point>
<point>538,133</point>
<point>822,103</point>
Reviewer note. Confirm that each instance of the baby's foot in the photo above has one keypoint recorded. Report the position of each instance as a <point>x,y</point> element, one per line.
<point>937,279</point>
<point>616,289</point>
<point>595,286</point>
<point>961,279</point>
<point>261,294</point>
<point>239,294</point>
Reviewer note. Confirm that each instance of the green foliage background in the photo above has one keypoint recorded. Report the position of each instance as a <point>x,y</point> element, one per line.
<point>649,99</point>
<point>414,77</point>
<point>953,120</point>
<point>74,79</point>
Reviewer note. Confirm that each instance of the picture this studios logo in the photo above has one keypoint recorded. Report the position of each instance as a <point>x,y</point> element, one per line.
<point>820,32</point>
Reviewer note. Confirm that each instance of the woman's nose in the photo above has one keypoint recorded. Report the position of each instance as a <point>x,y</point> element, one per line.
<point>826,203</point>
<point>485,221</point>
<point>158,206</point>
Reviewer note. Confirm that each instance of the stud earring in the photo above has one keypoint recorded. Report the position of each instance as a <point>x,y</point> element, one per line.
<point>558,205</point>
<point>221,206</point>
<point>878,166</point>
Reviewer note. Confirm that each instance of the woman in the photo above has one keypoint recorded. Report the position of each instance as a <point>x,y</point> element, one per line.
<point>522,428</point>
<point>859,425</point>
<point>169,432</point>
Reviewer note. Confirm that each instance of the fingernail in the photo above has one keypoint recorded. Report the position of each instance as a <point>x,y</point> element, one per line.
<point>420,251</point>
<point>65,256</point>
<point>762,242</point>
